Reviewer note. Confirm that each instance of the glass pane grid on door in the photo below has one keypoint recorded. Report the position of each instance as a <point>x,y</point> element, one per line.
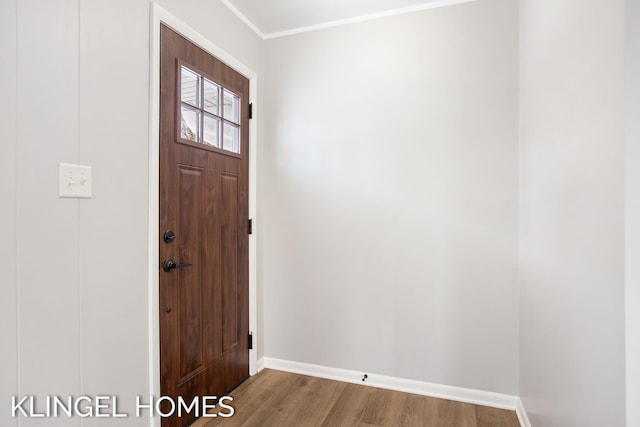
<point>209,113</point>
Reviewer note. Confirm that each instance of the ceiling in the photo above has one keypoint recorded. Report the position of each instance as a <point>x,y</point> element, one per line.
<point>274,18</point>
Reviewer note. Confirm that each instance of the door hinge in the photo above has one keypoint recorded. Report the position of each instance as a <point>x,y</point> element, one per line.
<point>250,110</point>
<point>250,226</point>
<point>250,341</point>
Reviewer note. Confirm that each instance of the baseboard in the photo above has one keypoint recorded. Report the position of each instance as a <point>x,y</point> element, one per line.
<point>459,394</point>
<point>477,397</point>
<point>522,415</point>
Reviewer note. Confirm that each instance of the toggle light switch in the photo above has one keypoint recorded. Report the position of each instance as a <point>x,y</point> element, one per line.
<point>75,181</point>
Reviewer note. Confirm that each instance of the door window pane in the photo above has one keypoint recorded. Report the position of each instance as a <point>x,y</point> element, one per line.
<point>189,87</point>
<point>231,138</point>
<point>211,97</point>
<point>211,131</point>
<point>190,124</point>
<point>231,107</point>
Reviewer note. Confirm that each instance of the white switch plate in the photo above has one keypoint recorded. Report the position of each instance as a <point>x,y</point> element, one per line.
<point>75,181</point>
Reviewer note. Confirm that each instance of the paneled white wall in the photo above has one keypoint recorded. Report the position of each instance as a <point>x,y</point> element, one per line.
<point>390,196</point>
<point>112,226</point>
<point>75,88</point>
<point>49,332</point>
<point>572,212</point>
<point>8,208</point>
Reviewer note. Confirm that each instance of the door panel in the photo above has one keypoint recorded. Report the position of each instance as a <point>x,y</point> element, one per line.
<point>229,228</point>
<point>204,320</point>
<point>191,200</point>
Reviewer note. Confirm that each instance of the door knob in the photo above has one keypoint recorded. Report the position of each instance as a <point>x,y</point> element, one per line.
<point>169,264</point>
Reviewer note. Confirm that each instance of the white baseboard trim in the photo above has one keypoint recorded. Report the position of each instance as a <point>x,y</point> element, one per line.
<point>459,394</point>
<point>522,415</point>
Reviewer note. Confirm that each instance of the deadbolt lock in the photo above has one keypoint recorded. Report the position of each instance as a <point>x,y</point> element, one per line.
<point>169,236</point>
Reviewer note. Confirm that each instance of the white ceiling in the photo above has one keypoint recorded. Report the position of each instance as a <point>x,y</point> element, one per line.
<point>273,18</point>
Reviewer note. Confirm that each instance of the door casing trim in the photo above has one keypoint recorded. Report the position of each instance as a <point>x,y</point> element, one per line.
<point>160,15</point>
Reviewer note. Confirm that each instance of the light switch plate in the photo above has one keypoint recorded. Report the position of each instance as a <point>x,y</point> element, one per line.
<point>75,181</point>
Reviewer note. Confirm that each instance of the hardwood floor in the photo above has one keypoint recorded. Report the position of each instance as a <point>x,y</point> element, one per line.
<point>281,399</point>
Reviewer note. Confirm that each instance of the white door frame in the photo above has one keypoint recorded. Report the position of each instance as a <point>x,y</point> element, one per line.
<point>160,15</point>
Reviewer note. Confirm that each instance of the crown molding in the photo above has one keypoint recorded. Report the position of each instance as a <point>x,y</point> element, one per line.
<point>339,22</point>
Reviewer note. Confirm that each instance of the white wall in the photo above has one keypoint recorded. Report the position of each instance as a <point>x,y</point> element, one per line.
<point>49,334</point>
<point>572,212</point>
<point>632,209</point>
<point>390,196</point>
<point>8,207</point>
<point>112,226</point>
<point>81,96</point>
<point>75,88</point>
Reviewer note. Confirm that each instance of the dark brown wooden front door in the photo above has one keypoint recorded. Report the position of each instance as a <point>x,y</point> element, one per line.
<point>204,143</point>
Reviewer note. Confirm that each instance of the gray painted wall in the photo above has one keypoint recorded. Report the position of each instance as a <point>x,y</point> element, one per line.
<point>632,206</point>
<point>390,196</point>
<point>572,212</point>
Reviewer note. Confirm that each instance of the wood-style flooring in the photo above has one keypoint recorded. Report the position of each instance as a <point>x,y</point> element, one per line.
<point>281,399</point>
